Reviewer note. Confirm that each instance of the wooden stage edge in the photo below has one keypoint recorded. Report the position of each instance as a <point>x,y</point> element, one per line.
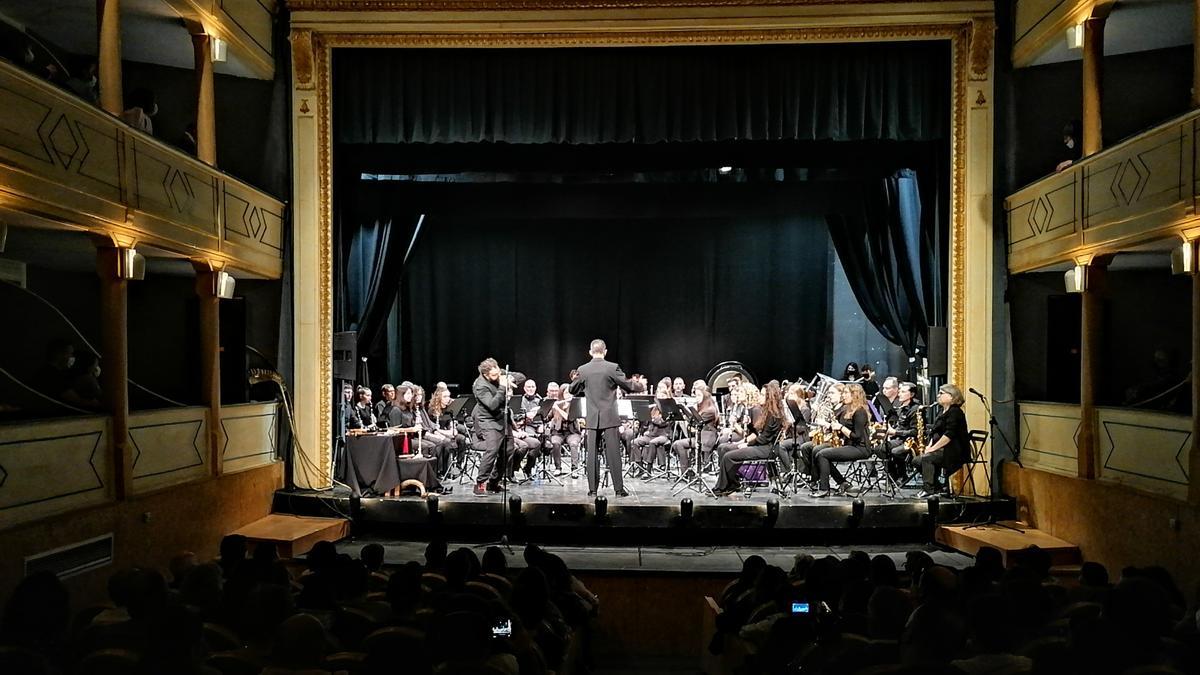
<point>294,535</point>
<point>1010,541</point>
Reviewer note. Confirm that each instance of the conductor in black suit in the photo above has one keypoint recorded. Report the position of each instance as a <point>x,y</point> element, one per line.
<point>598,382</point>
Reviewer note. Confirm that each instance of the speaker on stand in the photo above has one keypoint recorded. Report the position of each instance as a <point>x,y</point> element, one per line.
<point>345,358</point>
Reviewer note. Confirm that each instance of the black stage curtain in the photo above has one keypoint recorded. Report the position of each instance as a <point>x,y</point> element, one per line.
<point>893,91</point>
<point>670,296</point>
<point>891,257</point>
<point>367,266</point>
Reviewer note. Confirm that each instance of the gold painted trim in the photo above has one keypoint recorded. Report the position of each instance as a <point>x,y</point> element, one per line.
<point>534,5</point>
<point>959,34</point>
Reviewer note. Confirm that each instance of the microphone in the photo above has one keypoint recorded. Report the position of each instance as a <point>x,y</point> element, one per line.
<point>973,391</point>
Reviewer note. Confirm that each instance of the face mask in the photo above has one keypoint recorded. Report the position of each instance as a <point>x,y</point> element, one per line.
<point>92,82</point>
<point>152,111</point>
<point>1070,143</point>
<point>28,55</point>
<point>71,362</point>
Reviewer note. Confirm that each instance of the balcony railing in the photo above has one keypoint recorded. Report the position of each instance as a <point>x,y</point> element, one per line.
<point>1139,449</point>
<point>65,163</point>
<point>1139,190</point>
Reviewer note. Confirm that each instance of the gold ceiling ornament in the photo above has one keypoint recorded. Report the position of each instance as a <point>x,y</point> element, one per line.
<point>302,57</point>
<point>547,5</point>
<point>983,40</point>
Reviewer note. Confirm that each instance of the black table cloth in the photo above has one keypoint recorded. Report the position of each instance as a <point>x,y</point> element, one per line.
<point>373,468</point>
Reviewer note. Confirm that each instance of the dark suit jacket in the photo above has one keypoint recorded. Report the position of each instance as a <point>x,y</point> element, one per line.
<point>489,410</point>
<point>598,382</point>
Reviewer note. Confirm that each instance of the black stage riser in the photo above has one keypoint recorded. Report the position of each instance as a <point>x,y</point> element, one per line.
<point>712,522</point>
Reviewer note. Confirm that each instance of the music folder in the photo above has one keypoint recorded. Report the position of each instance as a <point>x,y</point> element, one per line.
<point>460,407</point>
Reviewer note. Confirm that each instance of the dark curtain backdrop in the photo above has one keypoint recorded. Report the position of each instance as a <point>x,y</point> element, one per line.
<point>891,258</point>
<point>893,91</point>
<point>671,297</point>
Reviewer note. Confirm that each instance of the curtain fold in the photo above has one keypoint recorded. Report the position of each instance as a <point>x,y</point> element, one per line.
<point>890,258</point>
<point>893,91</point>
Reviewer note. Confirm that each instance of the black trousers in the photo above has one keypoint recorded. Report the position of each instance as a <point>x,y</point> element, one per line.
<point>931,464</point>
<point>826,457</point>
<point>733,458</point>
<point>491,462</point>
<point>612,452</point>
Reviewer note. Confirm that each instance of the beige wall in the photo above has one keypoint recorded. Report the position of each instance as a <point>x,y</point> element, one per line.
<point>147,530</point>
<point>1112,525</point>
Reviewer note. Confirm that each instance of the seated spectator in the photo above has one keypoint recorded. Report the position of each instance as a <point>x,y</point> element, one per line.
<point>83,391</point>
<point>140,107</point>
<point>83,82</point>
<point>54,376</point>
<point>371,556</point>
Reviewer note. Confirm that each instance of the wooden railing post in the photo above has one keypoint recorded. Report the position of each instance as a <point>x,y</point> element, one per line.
<point>1091,346</point>
<point>210,355</point>
<point>112,264</point>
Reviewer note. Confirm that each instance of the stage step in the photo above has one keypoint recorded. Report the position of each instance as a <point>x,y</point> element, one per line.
<point>1009,542</point>
<point>295,535</point>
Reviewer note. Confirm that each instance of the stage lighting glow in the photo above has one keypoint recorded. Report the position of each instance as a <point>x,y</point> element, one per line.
<point>601,507</point>
<point>857,507</point>
<point>725,170</point>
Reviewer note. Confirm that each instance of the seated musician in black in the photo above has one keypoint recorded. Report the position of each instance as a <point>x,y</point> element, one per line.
<point>363,409</point>
<point>434,442</point>
<point>796,401</point>
<point>851,426</point>
<point>350,419</point>
<point>902,428</point>
<point>651,444</point>
<point>767,421</point>
<point>949,444</point>
<point>438,404</point>
<point>387,402</point>
<point>706,408</point>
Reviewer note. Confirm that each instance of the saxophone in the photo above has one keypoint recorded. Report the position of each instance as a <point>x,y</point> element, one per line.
<point>916,443</point>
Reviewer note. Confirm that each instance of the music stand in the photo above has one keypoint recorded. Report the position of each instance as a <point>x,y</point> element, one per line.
<point>543,413</point>
<point>696,482</point>
<point>459,410</point>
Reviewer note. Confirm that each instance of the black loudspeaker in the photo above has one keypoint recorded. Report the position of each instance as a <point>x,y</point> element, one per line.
<point>345,356</point>
<point>936,351</point>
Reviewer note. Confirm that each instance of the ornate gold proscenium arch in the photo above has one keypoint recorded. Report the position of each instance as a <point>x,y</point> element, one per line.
<point>968,28</point>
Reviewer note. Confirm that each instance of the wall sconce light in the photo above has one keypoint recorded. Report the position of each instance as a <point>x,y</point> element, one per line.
<point>130,264</point>
<point>1075,36</point>
<point>1183,258</point>
<point>224,283</point>
<point>219,48</point>
<point>1075,279</point>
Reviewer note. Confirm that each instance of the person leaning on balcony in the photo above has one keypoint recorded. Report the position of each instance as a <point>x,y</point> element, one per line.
<point>140,106</point>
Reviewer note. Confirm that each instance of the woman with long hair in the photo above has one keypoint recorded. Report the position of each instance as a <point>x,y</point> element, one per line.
<point>851,426</point>
<point>706,408</point>
<point>800,414</point>
<point>949,441</point>
<point>441,444</point>
<point>767,421</point>
<point>438,404</point>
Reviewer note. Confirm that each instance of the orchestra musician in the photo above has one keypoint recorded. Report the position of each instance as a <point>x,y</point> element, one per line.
<point>852,425</point>
<point>598,381</point>
<point>678,388</point>
<point>437,412</point>
<point>563,430</point>
<point>350,418</point>
<point>884,402</point>
<point>902,426</point>
<point>385,406</point>
<point>949,444</point>
<point>434,442</point>
<point>744,399</point>
<point>706,409</point>
<point>800,412</point>
<point>363,409</point>
<point>651,445</point>
<point>767,422</point>
<point>489,416</point>
<point>822,418</point>
<point>552,437</point>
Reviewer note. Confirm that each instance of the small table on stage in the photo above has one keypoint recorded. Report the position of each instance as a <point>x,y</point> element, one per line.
<point>374,465</point>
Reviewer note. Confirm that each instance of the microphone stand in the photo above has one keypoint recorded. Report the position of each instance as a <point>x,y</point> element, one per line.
<point>994,429</point>
<point>505,445</point>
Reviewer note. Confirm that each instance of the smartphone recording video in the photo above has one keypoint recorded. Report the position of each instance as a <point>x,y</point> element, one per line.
<point>502,628</point>
<point>800,608</point>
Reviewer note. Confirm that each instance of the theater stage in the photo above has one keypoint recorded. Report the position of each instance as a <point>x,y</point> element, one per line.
<point>651,514</point>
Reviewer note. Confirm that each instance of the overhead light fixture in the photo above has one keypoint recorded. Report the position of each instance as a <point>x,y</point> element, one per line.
<point>725,170</point>
<point>1075,36</point>
<point>1075,279</point>
<point>219,48</point>
<point>224,284</point>
<point>1183,258</point>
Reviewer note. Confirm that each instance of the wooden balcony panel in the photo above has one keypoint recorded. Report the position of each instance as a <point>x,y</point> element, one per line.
<point>1137,191</point>
<point>67,164</point>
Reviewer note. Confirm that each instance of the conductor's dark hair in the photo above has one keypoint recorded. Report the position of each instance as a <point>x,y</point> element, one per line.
<point>487,364</point>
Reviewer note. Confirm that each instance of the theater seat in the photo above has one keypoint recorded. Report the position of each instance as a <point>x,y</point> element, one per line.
<point>237,662</point>
<point>109,662</point>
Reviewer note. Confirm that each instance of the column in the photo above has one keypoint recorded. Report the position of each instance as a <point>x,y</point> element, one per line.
<point>210,356</point>
<point>206,121</point>
<point>108,56</point>
<point>1093,84</point>
<point>1195,56</point>
<point>1194,471</point>
<point>1091,345</point>
<point>111,264</point>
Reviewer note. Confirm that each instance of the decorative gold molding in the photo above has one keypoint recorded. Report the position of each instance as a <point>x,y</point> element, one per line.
<point>983,40</point>
<point>302,57</point>
<point>959,33</point>
<point>532,5</point>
